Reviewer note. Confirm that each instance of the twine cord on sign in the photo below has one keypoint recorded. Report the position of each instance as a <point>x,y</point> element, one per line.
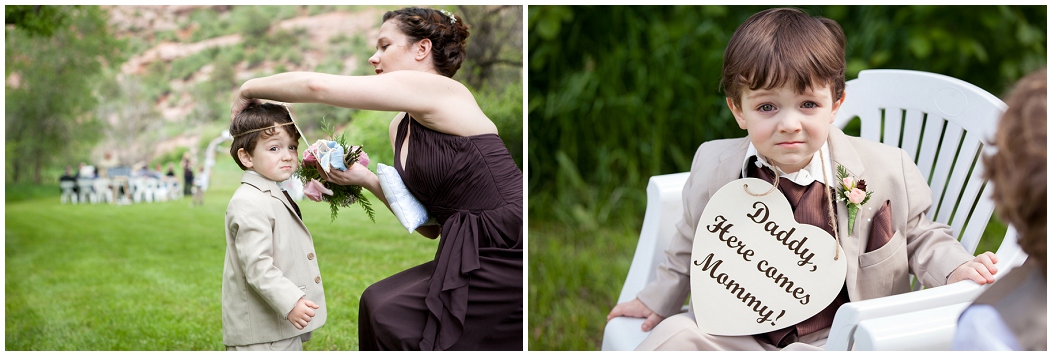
<point>829,200</point>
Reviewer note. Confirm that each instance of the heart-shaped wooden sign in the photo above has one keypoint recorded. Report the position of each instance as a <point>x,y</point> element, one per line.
<point>754,268</point>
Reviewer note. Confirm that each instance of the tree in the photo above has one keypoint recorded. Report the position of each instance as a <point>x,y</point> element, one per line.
<point>35,19</point>
<point>52,72</point>
<point>494,46</point>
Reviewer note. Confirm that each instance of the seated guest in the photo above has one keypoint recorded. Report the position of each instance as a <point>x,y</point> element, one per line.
<point>69,176</point>
<point>1011,314</point>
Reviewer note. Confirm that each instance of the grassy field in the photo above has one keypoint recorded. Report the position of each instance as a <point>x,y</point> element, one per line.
<point>575,277</point>
<point>148,276</point>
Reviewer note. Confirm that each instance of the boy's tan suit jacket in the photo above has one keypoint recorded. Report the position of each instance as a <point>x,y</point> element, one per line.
<point>270,264</point>
<point>919,245</point>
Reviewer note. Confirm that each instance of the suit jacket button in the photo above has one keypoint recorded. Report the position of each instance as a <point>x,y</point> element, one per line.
<point>310,256</point>
<point>317,280</point>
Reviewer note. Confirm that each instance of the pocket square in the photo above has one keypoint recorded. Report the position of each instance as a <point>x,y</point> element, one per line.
<point>880,232</point>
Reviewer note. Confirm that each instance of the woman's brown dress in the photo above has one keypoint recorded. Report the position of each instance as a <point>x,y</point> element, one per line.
<point>470,296</point>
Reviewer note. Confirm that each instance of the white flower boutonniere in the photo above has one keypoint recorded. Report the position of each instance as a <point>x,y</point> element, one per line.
<point>853,193</point>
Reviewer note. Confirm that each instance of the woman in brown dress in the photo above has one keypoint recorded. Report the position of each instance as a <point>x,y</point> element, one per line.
<point>450,157</point>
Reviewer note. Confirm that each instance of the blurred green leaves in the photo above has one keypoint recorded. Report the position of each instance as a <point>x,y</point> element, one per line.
<point>54,57</point>
<point>620,93</point>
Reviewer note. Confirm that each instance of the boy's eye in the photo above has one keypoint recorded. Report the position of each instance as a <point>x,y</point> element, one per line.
<point>293,147</point>
<point>765,108</point>
<point>809,105</point>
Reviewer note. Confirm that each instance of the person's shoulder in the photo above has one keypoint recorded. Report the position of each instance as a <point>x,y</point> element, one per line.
<point>247,195</point>
<point>873,153</point>
<point>715,151</point>
<point>865,145</point>
<point>723,145</point>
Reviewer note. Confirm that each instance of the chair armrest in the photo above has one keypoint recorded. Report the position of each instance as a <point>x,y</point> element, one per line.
<point>850,315</point>
<point>664,208</point>
<point>623,334</point>
<point>925,330</point>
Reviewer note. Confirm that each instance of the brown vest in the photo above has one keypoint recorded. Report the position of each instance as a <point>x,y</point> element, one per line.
<point>809,207</point>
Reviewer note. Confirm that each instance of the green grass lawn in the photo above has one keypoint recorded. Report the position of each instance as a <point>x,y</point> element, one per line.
<point>148,276</point>
<point>574,280</point>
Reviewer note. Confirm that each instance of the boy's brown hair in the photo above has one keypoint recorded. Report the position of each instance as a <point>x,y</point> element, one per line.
<point>1019,170</point>
<point>784,46</point>
<point>256,122</point>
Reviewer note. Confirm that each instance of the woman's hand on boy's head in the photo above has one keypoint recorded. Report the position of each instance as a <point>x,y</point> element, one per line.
<point>980,269</point>
<point>239,104</point>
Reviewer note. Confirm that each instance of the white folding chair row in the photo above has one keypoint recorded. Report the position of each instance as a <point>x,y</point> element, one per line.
<point>149,189</point>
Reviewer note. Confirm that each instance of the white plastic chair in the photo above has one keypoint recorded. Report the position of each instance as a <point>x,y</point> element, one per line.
<point>87,190</point>
<point>175,188</point>
<point>901,108</point>
<point>68,196</point>
<point>161,191</point>
<point>103,191</point>
<point>140,192</point>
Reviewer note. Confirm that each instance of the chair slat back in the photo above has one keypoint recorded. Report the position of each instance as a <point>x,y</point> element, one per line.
<point>942,123</point>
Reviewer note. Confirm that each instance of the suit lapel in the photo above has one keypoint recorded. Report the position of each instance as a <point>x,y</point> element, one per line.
<point>844,154</point>
<point>270,187</point>
<point>730,165</point>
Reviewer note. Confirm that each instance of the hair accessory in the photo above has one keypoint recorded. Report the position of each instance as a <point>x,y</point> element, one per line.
<point>452,20</point>
<point>264,128</point>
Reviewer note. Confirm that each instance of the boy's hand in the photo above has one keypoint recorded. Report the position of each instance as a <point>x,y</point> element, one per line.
<point>636,309</point>
<point>981,269</point>
<point>302,313</point>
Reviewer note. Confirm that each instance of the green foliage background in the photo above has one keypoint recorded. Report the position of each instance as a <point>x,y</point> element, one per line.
<point>61,103</point>
<point>620,93</point>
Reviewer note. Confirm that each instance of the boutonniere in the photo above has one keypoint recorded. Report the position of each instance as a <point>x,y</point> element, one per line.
<point>853,193</point>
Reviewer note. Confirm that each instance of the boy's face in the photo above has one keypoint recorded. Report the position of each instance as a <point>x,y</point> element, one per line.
<point>786,127</point>
<point>275,157</point>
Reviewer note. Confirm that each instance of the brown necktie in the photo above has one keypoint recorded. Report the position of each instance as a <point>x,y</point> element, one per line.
<point>294,206</point>
<point>809,207</point>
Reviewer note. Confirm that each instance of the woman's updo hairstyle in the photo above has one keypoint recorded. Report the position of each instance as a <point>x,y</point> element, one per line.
<point>448,35</point>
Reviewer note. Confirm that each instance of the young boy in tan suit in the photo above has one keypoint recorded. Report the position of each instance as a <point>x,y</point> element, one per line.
<point>783,74</point>
<point>273,295</point>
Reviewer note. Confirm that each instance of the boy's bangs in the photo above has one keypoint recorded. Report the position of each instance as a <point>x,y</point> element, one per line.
<point>292,131</point>
<point>774,72</point>
<point>289,129</point>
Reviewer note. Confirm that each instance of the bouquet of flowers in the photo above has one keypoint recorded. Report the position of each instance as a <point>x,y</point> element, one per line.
<point>329,155</point>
